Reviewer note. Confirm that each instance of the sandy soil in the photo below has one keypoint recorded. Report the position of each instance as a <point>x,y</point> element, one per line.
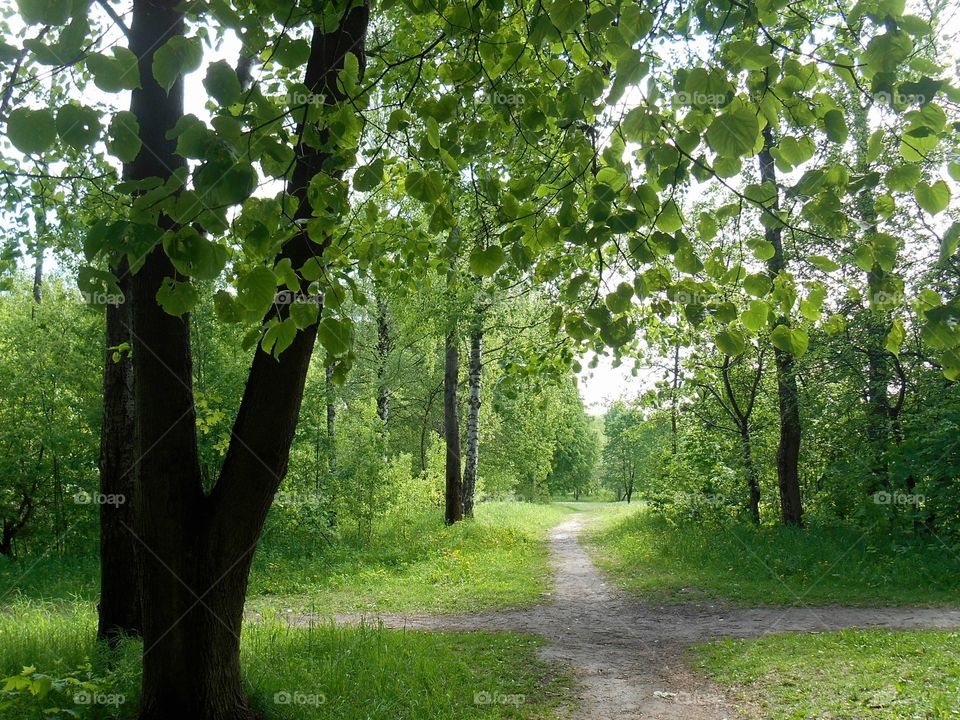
<point>630,658</point>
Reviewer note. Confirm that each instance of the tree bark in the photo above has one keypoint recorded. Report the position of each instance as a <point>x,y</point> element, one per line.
<point>788,452</point>
<point>120,598</point>
<point>384,346</point>
<point>451,429</point>
<point>38,276</point>
<point>197,548</point>
<point>473,419</point>
<point>750,470</point>
<point>331,419</point>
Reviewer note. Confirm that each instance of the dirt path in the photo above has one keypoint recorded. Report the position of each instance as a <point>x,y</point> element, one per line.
<point>629,658</point>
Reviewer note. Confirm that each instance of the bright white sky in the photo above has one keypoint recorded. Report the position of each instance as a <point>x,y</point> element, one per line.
<point>603,385</point>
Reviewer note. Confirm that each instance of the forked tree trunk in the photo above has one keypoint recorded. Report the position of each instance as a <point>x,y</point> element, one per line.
<point>741,414</point>
<point>471,463</point>
<point>120,598</point>
<point>451,430</point>
<point>788,452</point>
<point>196,549</point>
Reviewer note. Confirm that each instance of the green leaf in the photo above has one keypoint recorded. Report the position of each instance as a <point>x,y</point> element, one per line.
<point>304,313</point>
<point>78,126</point>
<point>121,72</point>
<point>686,261</point>
<point>835,126</point>
<point>932,198</point>
<point>756,318</point>
<point>31,131</point>
<point>621,299</point>
<point>222,83</point>
<point>194,255</point>
<point>123,136</point>
<point>792,340</point>
<point>44,12</point>
<point>903,177</point>
<point>669,219</point>
<point>566,14</point>
<point>279,336</point>
<point>176,57</point>
<point>177,298</point>
<point>335,335</point>
<point>895,338</point>
<point>368,177</point>
<point>950,241</point>
<point>822,262</point>
<point>426,187</point>
<point>257,289</point>
<point>487,261</point>
<point>734,132</point>
<point>762,249</point>
<point>731,342</point>
<point>757,284</point>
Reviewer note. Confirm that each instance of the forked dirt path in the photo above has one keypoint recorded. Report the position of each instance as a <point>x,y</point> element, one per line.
<point>629,658</point>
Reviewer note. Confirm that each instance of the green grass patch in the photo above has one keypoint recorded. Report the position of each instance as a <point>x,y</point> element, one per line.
<point>412,563</point>
<point>849,674</point>
<point>666,562</point>
<point>325,671</point>
<point>417,564</point>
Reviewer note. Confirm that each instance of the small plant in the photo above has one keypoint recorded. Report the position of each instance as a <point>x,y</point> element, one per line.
<point>79,693</point>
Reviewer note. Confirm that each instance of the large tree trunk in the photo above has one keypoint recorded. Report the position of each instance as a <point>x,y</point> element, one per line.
<point>197,549</point>
<point>788,452</point>
<point>451,429</point>
<point>120,598</point>
<point>473,420</point>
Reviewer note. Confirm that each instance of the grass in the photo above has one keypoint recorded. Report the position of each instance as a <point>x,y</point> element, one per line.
<point>498,560</point>
<point>669,562</point>
<point>864,674</point>
<point>325,671</point>
<point>413,564</point>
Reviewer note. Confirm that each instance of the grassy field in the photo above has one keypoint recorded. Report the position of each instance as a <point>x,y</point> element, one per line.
<point>416,564</point>
<point>667,562</point>
<point>498,560</point>
<point>875,674</point>
<point>51,667</point>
